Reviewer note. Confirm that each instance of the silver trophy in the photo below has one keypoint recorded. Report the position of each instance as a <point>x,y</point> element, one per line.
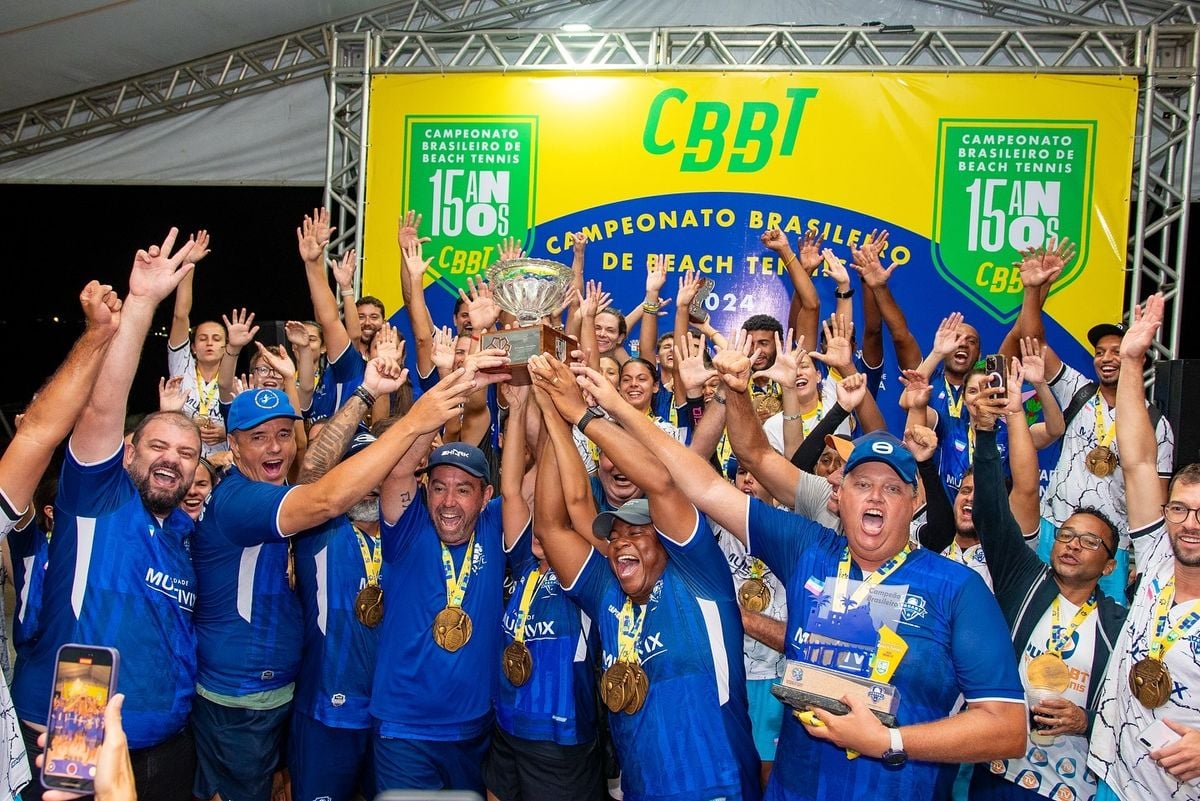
<point>529,289</point>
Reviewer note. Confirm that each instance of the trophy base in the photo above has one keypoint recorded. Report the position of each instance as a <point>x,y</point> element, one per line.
<point>806,686</point>
<point>530,340</point>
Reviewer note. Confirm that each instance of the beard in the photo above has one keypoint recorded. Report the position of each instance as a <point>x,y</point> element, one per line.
<point>365,511</point>
<point>1185,559</point>
<point>160,502</point>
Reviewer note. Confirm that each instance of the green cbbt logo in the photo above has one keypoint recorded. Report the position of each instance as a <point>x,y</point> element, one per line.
<point>1002,186</point>
<point>472,178</point>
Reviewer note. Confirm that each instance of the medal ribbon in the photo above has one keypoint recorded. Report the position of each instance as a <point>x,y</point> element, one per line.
<point>970,444</point>
<point>372,557</point>
<point>457,590</point>
<point>869,580</point>
<point>1059,641</point>
<point>953,406</point>
<point>1161,643</point>
<point>629,631</point>
<point>532,582</point>
<point>1104,433</point>
<point>206,392</point>
<point>756,568</point>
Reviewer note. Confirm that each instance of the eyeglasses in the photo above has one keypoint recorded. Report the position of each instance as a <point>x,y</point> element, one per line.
<point>1089,542</point>
<point>264,371</point>
<point>1178,513</point>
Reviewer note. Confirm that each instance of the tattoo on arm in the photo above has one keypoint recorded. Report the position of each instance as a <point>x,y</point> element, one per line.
<point>330,445</point>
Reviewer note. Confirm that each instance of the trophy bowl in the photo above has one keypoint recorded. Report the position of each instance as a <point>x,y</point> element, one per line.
<point>529,289</point>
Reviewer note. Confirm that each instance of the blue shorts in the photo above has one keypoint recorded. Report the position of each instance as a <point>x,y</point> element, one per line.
<point>1115,584</point>
<point>766,717</point>
<point>330,763</point>
<point>237,750</point>
<point>429,764</point>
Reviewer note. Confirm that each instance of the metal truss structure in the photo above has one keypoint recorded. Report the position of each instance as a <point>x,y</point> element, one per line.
<point>1162,56</point>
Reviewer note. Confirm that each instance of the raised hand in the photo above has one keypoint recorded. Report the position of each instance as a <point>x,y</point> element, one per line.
<point>278,360</point>
<point>810,251</point>
<point>481,307</point>
<point>787,361</point>
<point>690,282</point>
<point>839,353</point>
<point>835,268</point>
<point>101,308</point>
<point>384,375</point>
<point>156,271</point>
<point>733,363</point>
<point>313,235</point>
<point>510,248</point>
<point>297,334</point>
<point>595,386</point>
<point>444,401</point>
<point>579,242</point>
<point>867,263</point>
<point>492,361</point>
<point>442,356</point>
<point>921,441</point>
<point>774,239</point>
<point>1018,374</point>
<point>1147,319</point>
<point>200,249</point>
<point>1033,360</point>
<point>240,329</point>
<point>917,390</point>
<point>171,396</point>
<point>594,299</point>
<point>1040,266</point>
<point>949,335</point>
<point>656,275</point>
<point>851,391</point>
<point>407,231</point>
<point>387,343</point>
<point>689,361</point>
<point>343,270</point>
<point>559,385</point>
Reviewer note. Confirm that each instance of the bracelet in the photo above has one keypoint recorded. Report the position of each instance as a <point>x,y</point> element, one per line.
<point>364,395</point>
<point>719,398</point>
<point>651,308</point>
<point>347,293</point>
<point>476,337</point>
<point>789,261</point>
<point>792,416</point>
<point>234,355</point>
<point>849,293</point>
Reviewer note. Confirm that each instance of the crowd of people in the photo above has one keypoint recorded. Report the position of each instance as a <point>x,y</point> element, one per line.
<point>676,566</point>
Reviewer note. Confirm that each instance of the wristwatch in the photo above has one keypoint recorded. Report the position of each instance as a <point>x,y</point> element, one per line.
<point>591,414</point>
<point>896,755</point>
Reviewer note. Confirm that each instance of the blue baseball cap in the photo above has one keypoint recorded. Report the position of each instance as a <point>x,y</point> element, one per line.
<point>463,456</point>
<point>880,446</point>
<point>635,513</point>
<point>256,406</point>
<point>361,440</point>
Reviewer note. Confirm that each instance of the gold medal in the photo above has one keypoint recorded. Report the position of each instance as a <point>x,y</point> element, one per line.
<point>767,404</point>
<point>517,663</point>
<point>1049,671</point>
<point>368,605</point>
<point>1101,461</point>
<point>452,628</point>
<point>291,567</point>
<point>1150,682</point>
<point>640,683</point>
<point>754,595</point>
<point>616,686</point>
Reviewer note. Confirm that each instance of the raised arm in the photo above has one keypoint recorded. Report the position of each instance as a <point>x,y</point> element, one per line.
<point>59,403</point>
<point>1023,498</point>
<point>879,300</point>
<point>241,331</point>
<point>343,270</point>
<point>1136,443</point>
<point>415,267</point>
<point>572,475</point>
<point>1033,365</point>
<point>312,237</point>
<point>579,243</point>
<point>565,545</point>
<point>839,356</point>
<point>306,362</point>
<point>594,300</point>
<point>835,268</point>
<point>1040,267</point>
<point>514,509</point>
<point>799,269</point>
<point>156,273</point>
<point>181,322</point>
<point>656,276</point>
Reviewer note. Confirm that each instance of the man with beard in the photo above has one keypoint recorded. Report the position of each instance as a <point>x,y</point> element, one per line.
<point>119,573</point>
<point>1154,674</point>
<point>248,621</point>
<point>1063,625</point>
<point>951,360</point>
<point>764,331</point>
<point>1089,467</point>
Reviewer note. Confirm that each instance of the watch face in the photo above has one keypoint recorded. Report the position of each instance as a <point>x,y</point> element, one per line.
<point>894,758</point>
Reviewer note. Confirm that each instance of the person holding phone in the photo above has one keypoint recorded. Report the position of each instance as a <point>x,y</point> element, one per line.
<point>114,768</point>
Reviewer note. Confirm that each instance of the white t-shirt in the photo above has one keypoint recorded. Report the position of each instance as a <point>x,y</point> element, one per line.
<point>182,362</point>
<point>972,556</point>
<point>12,747</point>
<point>1071,484</point>
<point>1116,755</point>
<point>762,661</point>
<point>1058,770</point>
<point>773,425</point>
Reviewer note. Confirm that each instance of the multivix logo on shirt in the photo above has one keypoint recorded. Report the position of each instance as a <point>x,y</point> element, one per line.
<point>172,587</point>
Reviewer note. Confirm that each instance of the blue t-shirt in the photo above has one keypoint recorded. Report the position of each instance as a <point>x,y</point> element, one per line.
<point>692,739</point>
<point>338,659</point>
<point>248,628</point>
<point>118,578</point>
<point>957,641</point>
<point>955,451</point>
<point>421,690</point>
<point>558,703</point>
<point>30,549</point>
<point>338,381</point>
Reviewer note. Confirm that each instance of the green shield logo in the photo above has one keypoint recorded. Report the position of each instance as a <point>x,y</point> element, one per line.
<point>472,178</point>
<point>1003,185</point>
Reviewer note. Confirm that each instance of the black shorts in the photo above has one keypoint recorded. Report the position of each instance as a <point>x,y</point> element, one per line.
<point>537,770</point>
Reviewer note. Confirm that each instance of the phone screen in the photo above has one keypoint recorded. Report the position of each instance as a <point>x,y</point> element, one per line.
<point>76,725</point>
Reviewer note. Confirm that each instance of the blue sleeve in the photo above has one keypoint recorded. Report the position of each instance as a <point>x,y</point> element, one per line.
<point>349,366</point>
<point>396,536</point>
<point>874,374</point>
<point>984,664</point>
<point>428,382</point>
<point>247,512</point>
<point>91,490</point>
<point>521,554</point>
<point>591,585</point>
<point>701,562</point>
<point>778,537</point>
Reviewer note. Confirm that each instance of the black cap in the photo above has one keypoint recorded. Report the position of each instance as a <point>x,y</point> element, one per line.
<point>1105,329</point>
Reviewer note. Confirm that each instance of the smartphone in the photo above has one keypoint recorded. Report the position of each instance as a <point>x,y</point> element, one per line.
<point>1157,735</point>
<point>996,367</point>
<point>85,677</point>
